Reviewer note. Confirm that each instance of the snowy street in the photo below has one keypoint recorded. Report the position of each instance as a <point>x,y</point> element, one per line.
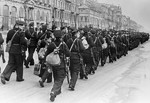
<point>125,81</point>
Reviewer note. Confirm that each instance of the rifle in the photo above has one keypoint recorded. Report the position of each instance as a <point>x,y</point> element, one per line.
<point>93,58</point>
<point>67,65</point>
<point>82,64</point>
<point>83,67</point>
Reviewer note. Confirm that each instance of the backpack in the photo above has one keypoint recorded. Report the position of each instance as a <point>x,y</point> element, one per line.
<point>53,58</point>
<point>41,53</point>
<point>112,44</point>
<point>84,42</point>
<point>104,45</point>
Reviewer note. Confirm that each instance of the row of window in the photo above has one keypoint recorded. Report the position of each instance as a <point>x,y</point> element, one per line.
<point>30,15</point>
<point>89,19</point>
<point>61,4</point>
<point>63,15</point>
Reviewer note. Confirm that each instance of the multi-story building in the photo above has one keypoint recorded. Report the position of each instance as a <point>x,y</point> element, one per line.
<point>74,13</point>
<point>65,12</point>
<point>89,14</point>
<point>58,12</point>
<point>111,15</point>
<point>100,15</point>
<point>38,11</point>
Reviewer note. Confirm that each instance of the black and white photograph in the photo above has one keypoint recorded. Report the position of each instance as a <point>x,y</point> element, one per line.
<point>74,51</point>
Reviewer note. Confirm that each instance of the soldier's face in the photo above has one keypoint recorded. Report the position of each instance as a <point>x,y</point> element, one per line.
<point>78,34</point>
<point>17,26</point>
<point>21,27</point>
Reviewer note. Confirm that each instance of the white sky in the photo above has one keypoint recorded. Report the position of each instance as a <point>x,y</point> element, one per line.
<point>138,10</point>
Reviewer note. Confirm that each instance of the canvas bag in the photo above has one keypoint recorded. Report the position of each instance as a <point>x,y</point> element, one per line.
<point>104,46</point>
<point>53,58</point>
<point>8,45</point>
<point>42,52</point>
<point>37,69</point>
<point>84,42</point>
<point>112,44</point>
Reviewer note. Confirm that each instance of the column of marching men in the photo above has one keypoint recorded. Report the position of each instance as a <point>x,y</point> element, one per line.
<point>81,51</point>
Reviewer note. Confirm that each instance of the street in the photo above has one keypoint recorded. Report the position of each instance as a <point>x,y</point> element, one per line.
<point>125,81</point>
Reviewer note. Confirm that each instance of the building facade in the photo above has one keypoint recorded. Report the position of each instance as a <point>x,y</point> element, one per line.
<point>65,12</point>
<point>57,12</point>
<point>89,14</point>
<point>74,13</point>
<point>38,11</point>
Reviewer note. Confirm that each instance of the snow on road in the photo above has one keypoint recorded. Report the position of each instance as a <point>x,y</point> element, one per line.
<point>125,81</point>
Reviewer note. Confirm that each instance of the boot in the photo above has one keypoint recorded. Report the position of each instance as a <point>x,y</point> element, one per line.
<point>3,79</point>
<point>41,83</point>
<point>32,62</point>
<point>52,97</point>
<point>26,65</point>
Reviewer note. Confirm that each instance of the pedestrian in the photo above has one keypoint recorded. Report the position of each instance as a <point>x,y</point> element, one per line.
<point>44,69</point>
<point>32,39</point>
<point>15,60</point>
<point>59,72</point>
<point>76,48</point>
<point>44,39</point>
<point>87,54</point>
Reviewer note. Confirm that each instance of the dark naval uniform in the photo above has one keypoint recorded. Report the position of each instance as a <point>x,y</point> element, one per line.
<point>58,71</point>
<point>75,57</point>
<point>15,60</point>
<point>32,36</point>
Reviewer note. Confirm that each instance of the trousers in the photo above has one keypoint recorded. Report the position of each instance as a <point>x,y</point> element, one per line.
<point>15,62</point>
<point>31,51</point>
<point>59,76</point>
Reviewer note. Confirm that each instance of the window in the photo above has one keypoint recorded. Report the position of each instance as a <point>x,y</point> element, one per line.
<point>48,2</point>
<point>21,13</point>
<point>30,14</point>
<point>13,15</point>
<point>61,4</point>
<point>81,18</point>
<point>43,1</point>
<point>6,16</point>
<point>38,15</point>
<point>42,16</point>
<point>47,17</point>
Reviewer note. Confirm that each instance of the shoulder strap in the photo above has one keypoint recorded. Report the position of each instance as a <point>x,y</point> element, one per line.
<point>72,44</point>
<point>95,40</point>
<point>32,33</point>
<point>59,44</point>
<point>13,36</point>
<point>42,36</point>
